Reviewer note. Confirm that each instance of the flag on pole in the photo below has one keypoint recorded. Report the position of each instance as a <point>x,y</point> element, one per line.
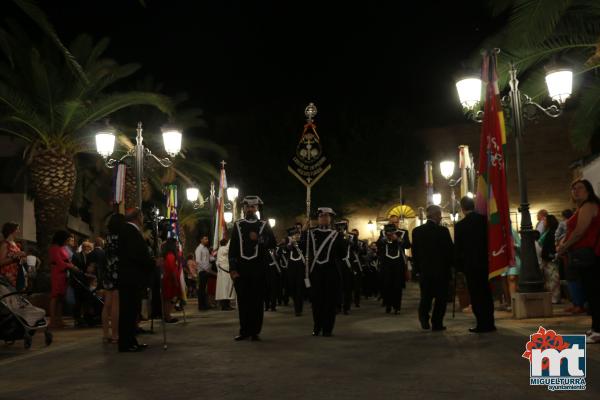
<point>429,181</point>
<point>220,224</point>
<point>465,164</point>
<point>172,216</point>
<point>492,194</point>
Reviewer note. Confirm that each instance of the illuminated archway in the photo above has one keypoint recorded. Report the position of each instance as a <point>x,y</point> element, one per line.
<point>402,211</point>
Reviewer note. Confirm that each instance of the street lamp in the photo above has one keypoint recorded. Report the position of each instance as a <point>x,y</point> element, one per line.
<point>232,194</point>
<point>447,169</point>
<point>195,197</point>
<point>436,199</point>
<point>228,217</point>
<point>105,144</point>
<point>272,222</point>
<point>520,105</point>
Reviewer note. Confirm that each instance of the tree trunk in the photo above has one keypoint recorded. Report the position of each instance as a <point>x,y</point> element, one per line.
<point>53,177</point>
<point>130,189</point>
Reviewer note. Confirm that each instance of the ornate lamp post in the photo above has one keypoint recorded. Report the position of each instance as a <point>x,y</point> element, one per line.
<point>447,170</point>
<point>520,105</point>
<point>105,144</point>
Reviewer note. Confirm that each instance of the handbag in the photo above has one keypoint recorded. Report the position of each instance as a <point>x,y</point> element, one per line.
<point>583,258</point>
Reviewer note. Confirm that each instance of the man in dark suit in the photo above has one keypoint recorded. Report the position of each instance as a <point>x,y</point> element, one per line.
<point>470,239</point>
<point>432,252</point>
<point>135,267</point>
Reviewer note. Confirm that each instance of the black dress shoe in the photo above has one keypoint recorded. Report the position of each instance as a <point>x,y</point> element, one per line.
<point>142,346</point>
<point>255,338</point>
<point>482,330</point>
<point>327,334</point>
<point>425,324</point>
<point>438,328</point>
<point>388,310</point>
<point>240,338</point>
<point>316,332</point>
<point>346,312</point>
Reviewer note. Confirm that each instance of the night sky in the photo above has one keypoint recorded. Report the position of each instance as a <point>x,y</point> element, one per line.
<point>254,66</point>
<point>231,54</point>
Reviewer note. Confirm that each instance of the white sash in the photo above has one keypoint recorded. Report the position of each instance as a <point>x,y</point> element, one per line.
<point>242,240</point>
<point>330,239</point>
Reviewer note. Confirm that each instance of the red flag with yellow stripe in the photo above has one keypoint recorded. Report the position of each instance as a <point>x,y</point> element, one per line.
<point>492,194</point>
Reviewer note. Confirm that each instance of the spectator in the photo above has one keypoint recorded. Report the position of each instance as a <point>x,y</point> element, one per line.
<point>171,287</point>
<point>581,243</point>
<point>561,231</point>
<point>192,275</point>
<point>433,253</point>
<point>109,279</point>
<point>548,255</point>
<point>541,221</point>
<point>59,264</point>
<point>10,254</point>
<point>80,284</point>
<point>203,259</point>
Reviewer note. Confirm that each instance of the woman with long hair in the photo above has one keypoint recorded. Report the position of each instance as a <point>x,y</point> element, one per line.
<point>581,245</point>
<point>59,264</point>
<point>110,281</point>
<point>171,284</point>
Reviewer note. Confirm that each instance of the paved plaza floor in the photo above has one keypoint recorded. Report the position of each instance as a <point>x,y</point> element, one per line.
<point>372,356</point>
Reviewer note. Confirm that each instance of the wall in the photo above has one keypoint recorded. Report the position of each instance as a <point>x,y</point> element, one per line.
<point>17,208</point>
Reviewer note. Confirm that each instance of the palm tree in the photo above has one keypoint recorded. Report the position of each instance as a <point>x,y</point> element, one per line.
<point>558,32</point>
<point>48,97</point>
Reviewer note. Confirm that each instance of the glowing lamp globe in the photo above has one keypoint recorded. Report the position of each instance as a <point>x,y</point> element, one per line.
<point>469,92</point>
<point>560,84</point>
<point>105,143</point>
<point>192,193</point>
<point>172,142</point>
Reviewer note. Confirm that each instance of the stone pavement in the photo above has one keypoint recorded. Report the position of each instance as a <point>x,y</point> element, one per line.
<point>372,356</point>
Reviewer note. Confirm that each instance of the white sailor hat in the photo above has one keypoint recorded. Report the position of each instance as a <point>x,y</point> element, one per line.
<point>252,201</point>
<point>325,210</point>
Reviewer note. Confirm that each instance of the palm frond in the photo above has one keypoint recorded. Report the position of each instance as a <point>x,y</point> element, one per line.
<point>587,116</point>
<point>31,9</point>
<point>109,104</point>
<point>533,21</point>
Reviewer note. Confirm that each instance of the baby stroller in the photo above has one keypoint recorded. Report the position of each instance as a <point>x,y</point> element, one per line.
<point>19,319</point>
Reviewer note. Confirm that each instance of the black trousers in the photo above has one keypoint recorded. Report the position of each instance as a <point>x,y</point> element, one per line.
<point>296,284</point>
<point>591,285</point>
<point>347,283</point>
<point>433,290</point>
<point>273,292</point>
<point>482,301</point>
<point>393,280</point>
<point>284,293</point>
<point>325,295</point>
<point>357,286</point>
<point>250,289</point>
<point>202,291</point>
<point>129,305</point>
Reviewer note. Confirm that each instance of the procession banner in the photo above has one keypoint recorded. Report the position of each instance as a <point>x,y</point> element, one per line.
<point>492,194</point>
<point>220,224</point>
<point>308,163</point>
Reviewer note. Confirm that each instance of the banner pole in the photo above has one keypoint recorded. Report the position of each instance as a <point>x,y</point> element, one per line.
<point>308,195</point>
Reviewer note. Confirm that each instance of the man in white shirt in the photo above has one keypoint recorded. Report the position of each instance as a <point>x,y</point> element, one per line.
<point>204,271</point>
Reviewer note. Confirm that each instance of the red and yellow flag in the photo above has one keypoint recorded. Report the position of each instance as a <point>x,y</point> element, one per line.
<point>492,194</point>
